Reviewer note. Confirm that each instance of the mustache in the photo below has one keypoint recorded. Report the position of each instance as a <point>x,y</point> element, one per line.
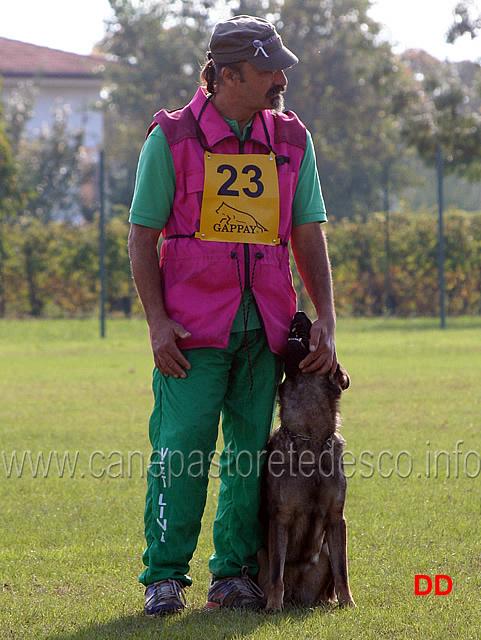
<point>275,91</point>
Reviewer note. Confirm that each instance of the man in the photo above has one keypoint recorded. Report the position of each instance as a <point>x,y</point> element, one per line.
<point>228,180</point>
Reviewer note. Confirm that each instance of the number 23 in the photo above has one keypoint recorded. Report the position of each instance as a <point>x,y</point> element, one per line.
<point>225,189</point>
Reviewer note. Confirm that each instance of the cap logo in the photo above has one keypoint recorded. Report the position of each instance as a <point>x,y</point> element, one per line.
<point>259,45</point>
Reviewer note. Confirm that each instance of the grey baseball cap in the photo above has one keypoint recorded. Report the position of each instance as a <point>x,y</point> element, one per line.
<point>253,39</point>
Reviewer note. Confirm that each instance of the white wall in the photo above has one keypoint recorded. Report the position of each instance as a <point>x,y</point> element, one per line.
<point>81,98</point>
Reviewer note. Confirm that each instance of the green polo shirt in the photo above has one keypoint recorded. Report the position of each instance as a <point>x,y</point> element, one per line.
<point>155,190</point>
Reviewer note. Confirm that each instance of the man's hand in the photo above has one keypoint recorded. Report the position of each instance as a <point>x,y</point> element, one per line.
<point>164,332</point>
<point>167,356</point>
<point>310,251</point>
<point>322,356</point>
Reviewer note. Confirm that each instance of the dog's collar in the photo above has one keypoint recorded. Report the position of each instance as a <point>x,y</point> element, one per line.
<point>328,444</point>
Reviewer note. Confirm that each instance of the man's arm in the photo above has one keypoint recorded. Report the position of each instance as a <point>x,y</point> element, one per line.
<point>309,247</point>
<point>164,331</point>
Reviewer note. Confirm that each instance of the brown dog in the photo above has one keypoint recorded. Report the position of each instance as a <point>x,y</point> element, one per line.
<point>304,487</point>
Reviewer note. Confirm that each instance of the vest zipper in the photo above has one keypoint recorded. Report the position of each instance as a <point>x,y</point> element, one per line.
<point>247,259</point>
<point>245,311</point>
<point>248,283</point>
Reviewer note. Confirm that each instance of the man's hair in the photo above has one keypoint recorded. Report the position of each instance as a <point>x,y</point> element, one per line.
<point>211,74</point>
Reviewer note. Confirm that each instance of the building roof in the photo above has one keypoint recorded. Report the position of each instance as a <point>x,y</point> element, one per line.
<point>20,59</point>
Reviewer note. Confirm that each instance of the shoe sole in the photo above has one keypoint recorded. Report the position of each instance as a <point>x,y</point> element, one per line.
<point>162,612</point>
<point>213,606</point>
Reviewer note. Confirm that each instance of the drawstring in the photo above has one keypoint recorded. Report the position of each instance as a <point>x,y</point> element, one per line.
<point>198,130</point>
<point>280,160</point>
<point>245,312</point>
<point>266,132</point>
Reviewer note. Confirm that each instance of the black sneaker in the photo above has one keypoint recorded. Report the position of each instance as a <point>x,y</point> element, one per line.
<point>235,592</point>
<point>165,596</point>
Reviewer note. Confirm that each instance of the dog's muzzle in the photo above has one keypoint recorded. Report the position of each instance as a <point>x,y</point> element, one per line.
<point>297,343</point>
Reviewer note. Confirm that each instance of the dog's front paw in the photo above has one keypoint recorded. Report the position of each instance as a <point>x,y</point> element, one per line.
<point>275,600</point>
<point>273,606</point>
<point>346,602</point>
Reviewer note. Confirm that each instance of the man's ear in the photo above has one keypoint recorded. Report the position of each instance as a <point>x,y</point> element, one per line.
<point>230,76</point>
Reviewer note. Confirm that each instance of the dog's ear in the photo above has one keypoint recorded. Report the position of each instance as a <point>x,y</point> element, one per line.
<point>341,377</point>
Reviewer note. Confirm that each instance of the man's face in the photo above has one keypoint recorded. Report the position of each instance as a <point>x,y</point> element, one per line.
<point>259,89</point>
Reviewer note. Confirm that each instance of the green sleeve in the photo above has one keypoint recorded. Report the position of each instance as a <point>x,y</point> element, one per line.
<point>154,184</point>
<point>308,203</point>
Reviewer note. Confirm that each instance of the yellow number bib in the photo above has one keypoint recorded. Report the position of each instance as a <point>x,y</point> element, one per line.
<point>241,199</point>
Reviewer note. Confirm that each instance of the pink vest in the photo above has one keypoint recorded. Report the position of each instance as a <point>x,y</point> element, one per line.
<point>203,281</point>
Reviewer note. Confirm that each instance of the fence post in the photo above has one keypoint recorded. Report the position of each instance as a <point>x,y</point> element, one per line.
<point>442,310</point>
<point>102,245</point>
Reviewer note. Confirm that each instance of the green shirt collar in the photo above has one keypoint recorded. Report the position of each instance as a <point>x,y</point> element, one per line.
<point>233,124</point>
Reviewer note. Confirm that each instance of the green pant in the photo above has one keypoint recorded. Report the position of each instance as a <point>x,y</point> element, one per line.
<point>183,432</point>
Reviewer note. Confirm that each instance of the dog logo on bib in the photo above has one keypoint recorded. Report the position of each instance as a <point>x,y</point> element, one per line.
<point>233,220</point>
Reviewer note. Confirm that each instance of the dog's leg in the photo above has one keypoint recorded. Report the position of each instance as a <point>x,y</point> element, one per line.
<point>277,556</point>
<point>337,542</point>
<point>326,592</point>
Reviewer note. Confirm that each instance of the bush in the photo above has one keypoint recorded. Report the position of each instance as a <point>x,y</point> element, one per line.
<point>365,286</point>
<point>52,269</point>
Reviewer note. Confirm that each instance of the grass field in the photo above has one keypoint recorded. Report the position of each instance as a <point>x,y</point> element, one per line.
<point>71,538</point>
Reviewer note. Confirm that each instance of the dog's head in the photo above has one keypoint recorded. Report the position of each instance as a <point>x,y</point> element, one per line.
<point>297,343</point>
<point>298,348</point>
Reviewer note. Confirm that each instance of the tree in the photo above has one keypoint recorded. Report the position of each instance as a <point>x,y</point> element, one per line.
<point>446,131</point>
<point>356,89</point>
<point>49,165</point>
<point>10,198</point>
<point>157,46</point>
<point>446,115</point>
<point>52,174</point>
<point>49,175</point>
<point>464,22</point>
<point>8,183</point>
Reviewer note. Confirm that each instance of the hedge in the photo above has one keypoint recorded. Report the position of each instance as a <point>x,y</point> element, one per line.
<point>52,270</point>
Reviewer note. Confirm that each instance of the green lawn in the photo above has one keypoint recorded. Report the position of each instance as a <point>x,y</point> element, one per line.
<point>71,542</point>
